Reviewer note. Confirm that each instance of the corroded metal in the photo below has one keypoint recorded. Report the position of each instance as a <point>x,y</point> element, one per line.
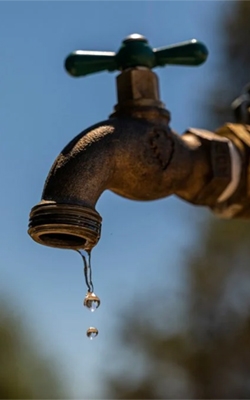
<point>135,158</point>
<point>136,155</point>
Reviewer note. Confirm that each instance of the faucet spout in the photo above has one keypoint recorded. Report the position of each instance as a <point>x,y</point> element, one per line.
<point>136,158</point>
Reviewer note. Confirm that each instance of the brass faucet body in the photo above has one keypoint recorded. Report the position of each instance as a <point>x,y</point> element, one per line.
<point>136,155</point>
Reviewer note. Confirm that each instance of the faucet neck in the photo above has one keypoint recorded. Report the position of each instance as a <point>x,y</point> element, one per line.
<point>138,95</point>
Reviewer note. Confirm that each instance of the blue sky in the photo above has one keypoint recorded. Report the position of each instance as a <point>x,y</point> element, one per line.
<point>143,245</point>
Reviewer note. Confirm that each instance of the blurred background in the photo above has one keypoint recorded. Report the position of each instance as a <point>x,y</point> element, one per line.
<point>173,279</point>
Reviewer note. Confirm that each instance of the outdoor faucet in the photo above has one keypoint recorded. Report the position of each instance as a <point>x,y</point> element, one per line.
<point>135,153</point>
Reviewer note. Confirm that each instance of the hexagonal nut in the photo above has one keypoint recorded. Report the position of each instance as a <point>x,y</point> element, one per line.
<point>238,205</point>
<point>218,157</point>
<point>136,84</point>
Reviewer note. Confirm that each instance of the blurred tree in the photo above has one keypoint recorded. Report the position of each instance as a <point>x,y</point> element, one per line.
<point>25,372</point>
<point>209,357</point>
<point>231,73</point>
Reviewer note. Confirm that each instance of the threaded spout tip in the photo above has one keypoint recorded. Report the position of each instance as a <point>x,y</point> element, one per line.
<point>65,226</point>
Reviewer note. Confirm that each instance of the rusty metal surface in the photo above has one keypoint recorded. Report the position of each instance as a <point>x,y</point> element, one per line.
<point>135,158</point>
<point>135,154</point>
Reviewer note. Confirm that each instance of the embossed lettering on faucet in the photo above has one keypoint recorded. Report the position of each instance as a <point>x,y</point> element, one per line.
<point>162,145</point>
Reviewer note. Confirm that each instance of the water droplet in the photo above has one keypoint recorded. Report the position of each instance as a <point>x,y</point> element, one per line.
<point>91,301</point>
<point>92,333</point>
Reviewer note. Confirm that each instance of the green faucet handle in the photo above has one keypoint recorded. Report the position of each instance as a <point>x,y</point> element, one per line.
<point>136,52</point>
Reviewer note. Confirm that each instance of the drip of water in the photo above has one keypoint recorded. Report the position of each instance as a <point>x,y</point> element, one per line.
<point>87,269</point>
<point>91,301</point>
<point>92,333</point>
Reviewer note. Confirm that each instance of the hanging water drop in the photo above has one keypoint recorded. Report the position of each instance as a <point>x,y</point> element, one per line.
<point>91,301</point>
<point>92,333</point>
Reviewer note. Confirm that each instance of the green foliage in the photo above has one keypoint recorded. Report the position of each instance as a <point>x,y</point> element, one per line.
<point>25,372</point>
<point>210,357</point>
<point>232,69</point>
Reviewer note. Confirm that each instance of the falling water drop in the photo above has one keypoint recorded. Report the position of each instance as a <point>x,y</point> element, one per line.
<point>91,301</point>
<point>92,333</point>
